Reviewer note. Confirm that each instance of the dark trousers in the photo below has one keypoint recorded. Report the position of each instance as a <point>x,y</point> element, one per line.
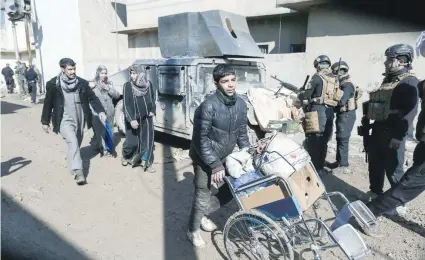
<point>410,186</point>
<point>32,88</point>
<point>344,126</point>
<point>317,144</point>
<point>203,204</point>
<point>384,160</point>
<point>10,83</point>
<point>139,141</point>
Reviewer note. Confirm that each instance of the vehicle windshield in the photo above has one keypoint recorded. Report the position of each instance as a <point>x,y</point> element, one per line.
<point>246,77</point>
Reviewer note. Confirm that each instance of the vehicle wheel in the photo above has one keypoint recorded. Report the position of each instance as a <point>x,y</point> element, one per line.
<point>119,117</point>
<point>253,235</point>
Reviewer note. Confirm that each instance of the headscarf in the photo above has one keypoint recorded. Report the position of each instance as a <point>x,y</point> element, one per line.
<point>101,84</point>
<point>141,84</point>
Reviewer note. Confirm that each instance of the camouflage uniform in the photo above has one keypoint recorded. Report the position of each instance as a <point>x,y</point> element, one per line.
<point>20,77</point>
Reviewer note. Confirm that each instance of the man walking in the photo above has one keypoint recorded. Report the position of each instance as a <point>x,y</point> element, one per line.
<point>220,122</point>
<point>7,73</point>
<point>67,99</point>
<point>32,78</point>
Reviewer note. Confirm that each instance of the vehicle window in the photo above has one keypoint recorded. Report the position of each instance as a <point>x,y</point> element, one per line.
<point>244,75</point>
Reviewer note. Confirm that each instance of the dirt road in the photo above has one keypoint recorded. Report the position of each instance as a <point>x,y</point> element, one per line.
<point>124,213</point>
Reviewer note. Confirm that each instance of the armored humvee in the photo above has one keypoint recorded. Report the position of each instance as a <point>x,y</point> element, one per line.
<point>191,45</point>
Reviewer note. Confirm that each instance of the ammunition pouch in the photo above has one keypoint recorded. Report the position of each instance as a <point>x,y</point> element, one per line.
<point>331,93</point>
<point>311,122</point>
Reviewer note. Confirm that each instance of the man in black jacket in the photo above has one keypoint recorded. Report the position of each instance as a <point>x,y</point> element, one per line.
<point>8,77</point>
<point>32,78</point>
<point>220,122</point>
<point>67,105</point>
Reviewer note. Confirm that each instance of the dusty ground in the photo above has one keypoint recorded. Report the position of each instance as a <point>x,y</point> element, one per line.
<point>124,213</point>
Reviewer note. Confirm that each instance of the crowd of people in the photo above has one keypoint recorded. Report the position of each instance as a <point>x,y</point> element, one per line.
<point>220,123</point>
<point>28,79</point>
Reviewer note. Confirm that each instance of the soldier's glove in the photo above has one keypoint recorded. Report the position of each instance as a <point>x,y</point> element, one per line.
<point>151,114</point>
<point>395,143</point>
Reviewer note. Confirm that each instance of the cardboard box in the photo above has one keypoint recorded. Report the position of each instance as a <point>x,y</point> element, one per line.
<point>306,187</point>
<point>265,196</point>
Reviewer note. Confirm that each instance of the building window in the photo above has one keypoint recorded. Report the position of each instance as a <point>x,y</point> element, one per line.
<point>264,48</point>
<point>297,48</point>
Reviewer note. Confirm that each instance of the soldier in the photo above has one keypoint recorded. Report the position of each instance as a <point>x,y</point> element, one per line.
<point>345,116</point>
<point>20,77</point>
<point>413,182</point>
<point>322,94</point>
<point>388,107</point>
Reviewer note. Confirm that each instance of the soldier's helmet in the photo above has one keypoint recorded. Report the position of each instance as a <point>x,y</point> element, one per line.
<point>344,66</point>
<point>321,59</point>
<point>400,50</point>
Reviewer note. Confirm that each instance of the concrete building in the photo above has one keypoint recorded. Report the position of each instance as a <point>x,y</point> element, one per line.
<point>292,33</point>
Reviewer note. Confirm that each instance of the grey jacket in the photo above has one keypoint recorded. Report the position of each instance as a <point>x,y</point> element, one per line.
<point>106,97</point>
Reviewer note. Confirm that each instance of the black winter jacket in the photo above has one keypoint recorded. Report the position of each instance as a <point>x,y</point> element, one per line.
<point>219,124</point>
<point>53,107</point>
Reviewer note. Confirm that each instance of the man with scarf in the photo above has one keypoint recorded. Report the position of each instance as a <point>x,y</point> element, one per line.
<point>67,105</point>
<point>389,107</point>
<point>220,122</point>
<point>106,92</point>
<point>139,109</point>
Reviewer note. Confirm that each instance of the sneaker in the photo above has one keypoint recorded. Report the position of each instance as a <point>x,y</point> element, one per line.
<point>400,211</point>
<point>342,170</point>
<point>207,225</point>
<point>79,177</point>
<point>150,170</point>
<point>124,161</point>
<point>196,239</point>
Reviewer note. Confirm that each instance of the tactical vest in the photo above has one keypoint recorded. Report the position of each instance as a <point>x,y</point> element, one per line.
<point>331,93</point>
<point>352,102</point>
<point>380,99</point>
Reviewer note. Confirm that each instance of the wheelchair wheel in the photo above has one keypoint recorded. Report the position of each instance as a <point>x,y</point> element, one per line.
<point>253,235</point>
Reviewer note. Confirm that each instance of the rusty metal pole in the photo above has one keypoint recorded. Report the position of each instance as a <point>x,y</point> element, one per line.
<point>27,33</point>
<point>15,40</point>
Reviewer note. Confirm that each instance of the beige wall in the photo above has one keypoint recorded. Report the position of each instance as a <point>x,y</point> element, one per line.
<point>98,43</point>
<point>291,29</point>
<point>146,13</point>
<point>288,67</point>
<point>144,45</point>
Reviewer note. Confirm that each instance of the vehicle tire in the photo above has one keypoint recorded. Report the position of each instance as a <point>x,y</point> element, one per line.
<point>119,117</point>
<point>257,227</point>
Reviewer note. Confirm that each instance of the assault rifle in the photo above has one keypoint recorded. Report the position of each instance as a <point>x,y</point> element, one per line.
<point>364,130</point>
<point>289,86</point>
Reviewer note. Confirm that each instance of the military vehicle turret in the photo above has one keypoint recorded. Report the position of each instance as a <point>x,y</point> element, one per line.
<point>191,45</point>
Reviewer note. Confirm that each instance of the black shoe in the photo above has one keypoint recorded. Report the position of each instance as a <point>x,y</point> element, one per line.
<point>333,165</point>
